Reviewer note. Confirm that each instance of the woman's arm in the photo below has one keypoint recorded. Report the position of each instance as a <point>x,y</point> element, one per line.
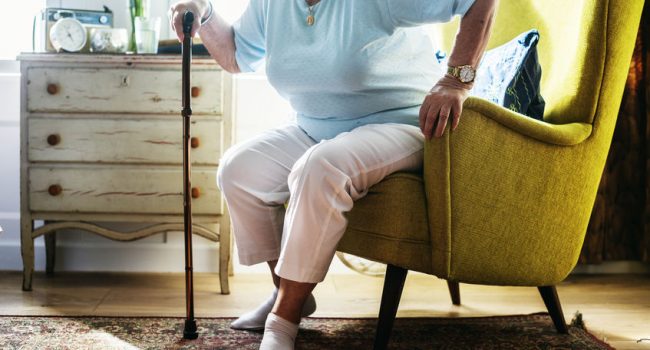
<point>217,35</point>
<point>446,98</point>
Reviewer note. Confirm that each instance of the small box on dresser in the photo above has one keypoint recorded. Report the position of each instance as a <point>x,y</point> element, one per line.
<point>101,142</point>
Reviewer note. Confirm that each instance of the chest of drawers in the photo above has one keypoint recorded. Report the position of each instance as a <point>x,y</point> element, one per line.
<point>101,142</point>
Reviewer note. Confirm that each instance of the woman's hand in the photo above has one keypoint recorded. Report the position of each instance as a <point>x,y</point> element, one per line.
<point>444,101</point>
<point>176,12</point>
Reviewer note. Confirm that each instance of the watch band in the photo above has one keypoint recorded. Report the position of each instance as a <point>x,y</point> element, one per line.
<point>455,71</point>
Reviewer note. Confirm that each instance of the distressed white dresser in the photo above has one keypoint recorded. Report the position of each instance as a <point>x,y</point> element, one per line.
<point>101,142</point>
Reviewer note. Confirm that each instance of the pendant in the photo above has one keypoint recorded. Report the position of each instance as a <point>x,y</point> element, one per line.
<point>310,16</point>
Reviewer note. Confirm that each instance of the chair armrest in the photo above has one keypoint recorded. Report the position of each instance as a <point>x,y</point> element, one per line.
<point>509,198</point>
<point>557,134</point>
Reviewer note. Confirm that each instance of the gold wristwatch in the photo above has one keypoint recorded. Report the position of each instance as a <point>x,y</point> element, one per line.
<point>465,74</point>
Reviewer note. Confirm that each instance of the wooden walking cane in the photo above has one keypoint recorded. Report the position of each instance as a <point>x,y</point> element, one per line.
<point>190,323</point>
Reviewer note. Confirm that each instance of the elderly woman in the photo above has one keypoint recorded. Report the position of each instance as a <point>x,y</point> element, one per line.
<point>362,78</point>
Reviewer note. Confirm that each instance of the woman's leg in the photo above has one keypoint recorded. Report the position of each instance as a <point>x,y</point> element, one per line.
<point>291,297</point>
<point>326,181</point>
<point>253,179</point>
<point>323,184</point>
<point>276,278</point>
<point>281,326</point>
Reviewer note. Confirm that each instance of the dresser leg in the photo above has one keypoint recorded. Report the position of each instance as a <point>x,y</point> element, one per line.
<point>50,252</point>
<point>224,259</point>
<point>231,269</point>
<point>27,250</point>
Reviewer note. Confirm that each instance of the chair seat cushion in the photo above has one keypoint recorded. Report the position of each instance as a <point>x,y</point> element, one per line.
<point>390,225</point>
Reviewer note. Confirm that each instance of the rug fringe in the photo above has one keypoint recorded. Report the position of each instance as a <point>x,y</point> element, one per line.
<point>577,320</point>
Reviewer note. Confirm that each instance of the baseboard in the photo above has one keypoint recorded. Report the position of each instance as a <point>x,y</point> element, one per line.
<point>153,257</point>
<point>613,267</point>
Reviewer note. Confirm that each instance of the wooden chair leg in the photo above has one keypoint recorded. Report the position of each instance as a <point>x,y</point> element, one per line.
<point>454,291</point>
<point>393,286</point>
<point>549,294</point>
<point>50,252</point>
<point>27,250</point>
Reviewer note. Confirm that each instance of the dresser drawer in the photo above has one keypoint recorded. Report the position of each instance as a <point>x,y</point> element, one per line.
<point>120,90</point>
<point>122,141</point>
<point>136,190</point>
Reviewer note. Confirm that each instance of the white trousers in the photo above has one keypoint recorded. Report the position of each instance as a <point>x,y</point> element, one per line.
<point>320,180</point>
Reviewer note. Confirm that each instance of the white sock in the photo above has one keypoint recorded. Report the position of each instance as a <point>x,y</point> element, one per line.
<point>279,334</point>
<point>254,320</point>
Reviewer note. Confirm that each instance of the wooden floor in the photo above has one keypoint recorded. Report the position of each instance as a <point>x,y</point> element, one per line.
<point>616,308</point>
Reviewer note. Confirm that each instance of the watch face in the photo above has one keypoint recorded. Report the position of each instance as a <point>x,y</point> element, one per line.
<point>467,74</point>
<point>68,34</point>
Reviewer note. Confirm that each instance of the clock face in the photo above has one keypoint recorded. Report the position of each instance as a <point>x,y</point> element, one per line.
<point>466,74</point>
<point>68,34</point>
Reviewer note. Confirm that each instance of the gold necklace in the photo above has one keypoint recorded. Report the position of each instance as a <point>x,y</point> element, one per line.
<point>310,12</point>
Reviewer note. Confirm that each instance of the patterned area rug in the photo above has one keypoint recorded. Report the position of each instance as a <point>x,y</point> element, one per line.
<point>507,332</point>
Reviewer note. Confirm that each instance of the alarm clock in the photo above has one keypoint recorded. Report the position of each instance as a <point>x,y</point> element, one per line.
<point>68,35</point>
<point>49,17</point>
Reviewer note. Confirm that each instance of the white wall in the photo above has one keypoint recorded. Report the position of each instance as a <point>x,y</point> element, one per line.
<point>9,166</point>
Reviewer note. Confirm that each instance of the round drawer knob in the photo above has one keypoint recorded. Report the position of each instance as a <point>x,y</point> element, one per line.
<point>196,91</point>
<point>195,142</point>
<point>52,89</point>
<point>55,190</point>
<point>196,193</point>
<point>53,139</point>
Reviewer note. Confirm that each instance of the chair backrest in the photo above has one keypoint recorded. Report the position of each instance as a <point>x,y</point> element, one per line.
<point>577,39</point>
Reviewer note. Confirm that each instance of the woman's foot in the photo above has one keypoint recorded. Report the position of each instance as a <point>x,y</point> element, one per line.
<point>255,320</point>
<point>279,334</point>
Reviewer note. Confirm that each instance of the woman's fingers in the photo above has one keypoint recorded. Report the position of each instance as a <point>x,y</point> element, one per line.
<point>177,13</point>
<point>196,25</point>
<point>177,24</point>
<point>424,112</point>
<point>430,122</point>
<point>443,105</point>
<point>435,113</point>
<point>175,21</point>
<point>443,116</point>
<point>456,111</point>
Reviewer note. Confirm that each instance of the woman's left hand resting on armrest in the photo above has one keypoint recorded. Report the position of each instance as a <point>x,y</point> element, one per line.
<point>446,98</point>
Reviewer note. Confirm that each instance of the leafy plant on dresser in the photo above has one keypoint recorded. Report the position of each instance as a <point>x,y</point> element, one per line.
<point>137,8</point>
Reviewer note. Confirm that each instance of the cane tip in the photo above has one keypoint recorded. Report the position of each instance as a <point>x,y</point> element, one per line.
<point>190,330</point>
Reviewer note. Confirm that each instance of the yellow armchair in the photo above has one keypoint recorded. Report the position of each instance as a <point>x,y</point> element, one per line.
<point>505,199</point>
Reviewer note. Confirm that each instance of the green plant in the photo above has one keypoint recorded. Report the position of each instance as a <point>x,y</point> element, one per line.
<point>137,9</point>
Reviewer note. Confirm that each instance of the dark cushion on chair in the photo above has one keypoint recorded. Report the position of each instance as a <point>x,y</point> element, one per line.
<point>510,75</point>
